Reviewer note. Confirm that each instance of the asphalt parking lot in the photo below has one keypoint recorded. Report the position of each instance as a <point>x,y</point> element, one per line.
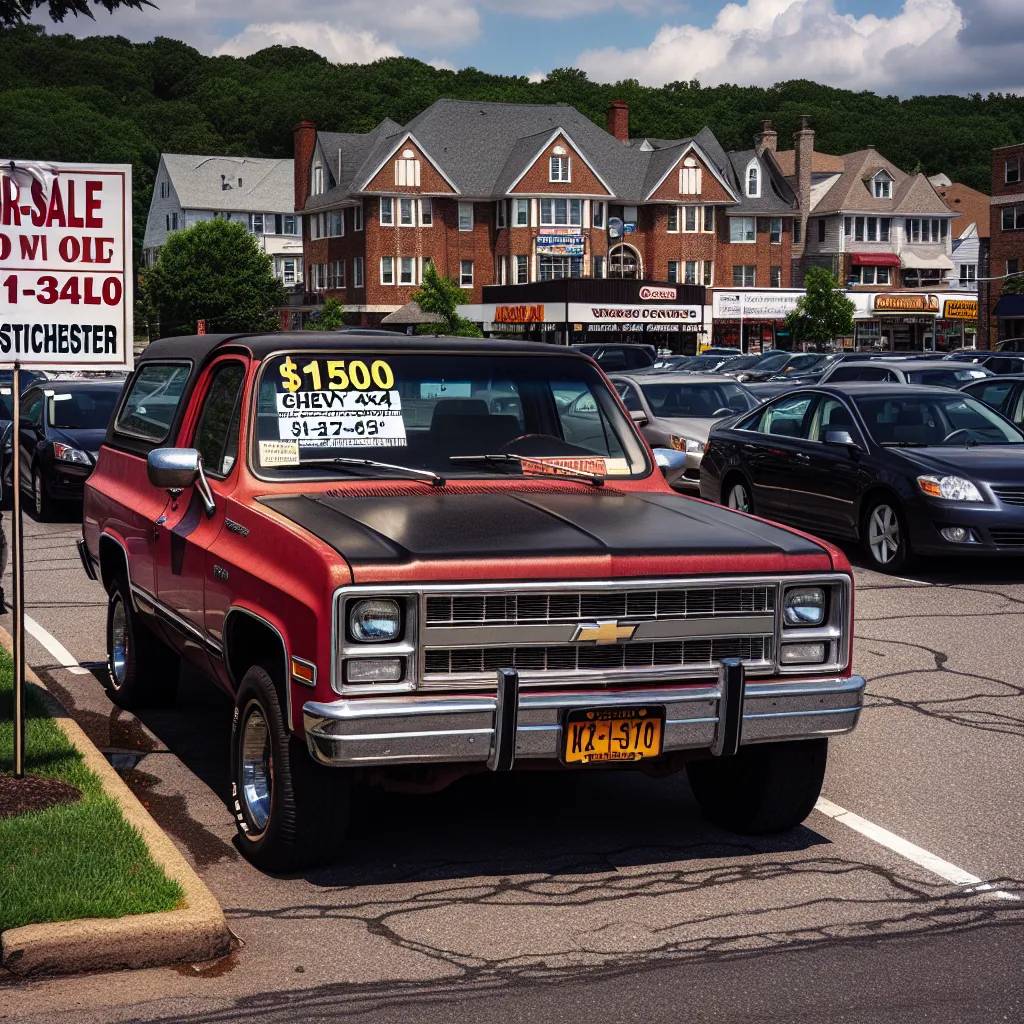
<point>552,897</point>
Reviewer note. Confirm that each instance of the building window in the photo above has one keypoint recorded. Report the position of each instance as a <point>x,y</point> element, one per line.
<point>559,169</point>
<point>923,230</point>
<point>823,228</point>
<point>597,214</point>
<point>387,270</point>
<point>357,217</point>
<point>742,229</point>
<point>709,218</point>
<point>466,273</point>
<point>288,271</point>
<point>500,213</point>
<point>465,216</point>
<point>407,270</point>
<point>847,226</point>
<point>709,273</point>
<point>690,178</point>
<point>1012,266</point>
<point>168,221</point>
<point>319,276</point>
<point>553,268</point>
<point>256,223</point>
<point>883,185</point>
<point>1012,175</point>
<point>406,216</point>
<point>522,213</point>
<point>968,273</point>
<point>318,179</point>
<point>387,210</point>
<point>673,271</point>
<point>1013,218</point>
<point>673,219</point>
<point>775,277</point>
<point>522,269</point>
<point>744,277</point>
<point>335,224</point>
<point>692,274</point>
<point>561,212</point>
<point>690,218</point>
<point>797,231</point>
<point>870,275</point>
<point>501,270</point>
<point>597,266</point>
<point>407,170</point>
<point>775,230</point>
<point>753,179</point>
<point>336,274</point>
<point>358,271</point>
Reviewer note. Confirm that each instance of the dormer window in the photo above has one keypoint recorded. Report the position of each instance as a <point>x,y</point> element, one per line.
<point>407,169</point>
<point>882,185</point>
<point>753,179</point>
<point>318,179</point>
<point>689,177</point>
<point>559,169</point>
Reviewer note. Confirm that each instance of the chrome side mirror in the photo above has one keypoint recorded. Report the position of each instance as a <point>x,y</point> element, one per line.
<point>671,463</point>
<point>174,469</point>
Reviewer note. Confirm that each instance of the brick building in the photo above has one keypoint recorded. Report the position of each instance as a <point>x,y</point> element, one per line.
<point>507,194</point>
<point>1005,317</point>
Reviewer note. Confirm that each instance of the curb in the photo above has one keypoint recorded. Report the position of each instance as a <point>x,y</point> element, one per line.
<point>196,932</point>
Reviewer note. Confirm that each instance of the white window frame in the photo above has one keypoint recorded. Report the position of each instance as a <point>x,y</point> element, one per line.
<point>317,186</point>
<point>772,222</point>
<point>466,217</point>
<point>387,269</point>
<point>357,216</point>
<point>691,272</point>
<point>708,220</point>
<point>597,214</point>
<point>407,172</point>
<point>294,270</point>
<point>598,267</point>
<point>690,213</point>
<point>673,271</point>
<point>522,214</point>
<point>387,211</point>
<point>690,177</point>
<point>426,213</point>
<point>358,272</point>
<point>501,270</point>
<point>465,280</point>
<point>882,185</point>
<point>752,283</point>
<point>744,223</point>
<point>552,205</point>
<point>1013,163</point>
<point>335,224</point>
<point>968,273</point>
<point>674,220</point>
<point>501,214</point>
<point>775,272</point>
<point>406,204</point>
<point>708,273</point>
<point>254,219</point>
<point>522,269</point>
<point>752,179</point>
<point>403,263</point>
<point>559,168</point>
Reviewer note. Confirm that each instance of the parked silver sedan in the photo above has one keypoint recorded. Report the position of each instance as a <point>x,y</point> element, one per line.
<point>678,410</point>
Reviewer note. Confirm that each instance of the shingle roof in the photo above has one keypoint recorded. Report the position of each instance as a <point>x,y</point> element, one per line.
<point>411,313</point>
<point>972,205</point>
<point>821,163</point>
<point>267,185</point>
<point>776,193</point>
<point>917,195</point>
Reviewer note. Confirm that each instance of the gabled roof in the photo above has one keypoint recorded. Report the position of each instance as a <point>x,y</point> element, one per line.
<point>852,190</point>
<point>386,149</point>
<point>777,194</point>
<point>267,185</point>
<point>917,195</point>
<point>511,163</point>
<point>821,163</point>
<point>973,206</point>
<point>663,160</point>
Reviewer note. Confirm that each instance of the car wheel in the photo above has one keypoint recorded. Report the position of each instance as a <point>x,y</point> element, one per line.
<point>737,495</point>
<point>769,787</point>
<point>142,669</point>
<point>884,536</point>
<point>291,813</point>
<point>42,503</point>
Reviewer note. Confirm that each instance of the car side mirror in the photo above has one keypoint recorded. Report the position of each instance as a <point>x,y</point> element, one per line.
<point>174,469</point>
<point>671,463</point>
<point>639,417</point>
<point>841,437</point>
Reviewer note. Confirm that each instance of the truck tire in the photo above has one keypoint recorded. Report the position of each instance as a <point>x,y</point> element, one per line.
<point>769,787</point>
<point>142,670</point>
<point>291,813</point>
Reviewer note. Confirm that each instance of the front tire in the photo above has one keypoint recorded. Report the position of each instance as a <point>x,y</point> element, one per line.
<point>765,788</point>
<point>885,539</point>
<point>736,495</point>
<point>42,503</point>
<point>143,671</point>
<point>291,813</point>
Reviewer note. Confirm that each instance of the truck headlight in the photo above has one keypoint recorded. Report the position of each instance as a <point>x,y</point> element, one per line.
<point>950,488</point>
<point>804,606</point>
<point>686,444</point>
<point>374,620</point>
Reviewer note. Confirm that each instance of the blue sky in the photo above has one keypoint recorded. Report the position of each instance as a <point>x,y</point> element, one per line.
<point>888,46</point>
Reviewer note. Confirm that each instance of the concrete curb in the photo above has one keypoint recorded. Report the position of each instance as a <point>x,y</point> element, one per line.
<point>195,932</point>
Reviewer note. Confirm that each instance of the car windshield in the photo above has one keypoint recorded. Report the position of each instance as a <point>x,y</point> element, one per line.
<point>930,419</point>
<point>772,362</point>
<point>82,409</point>
<point>429,412</point>
<point>697,401</point>
<point>707,363</point>
<point>743,362</point>
<point>954,377</point>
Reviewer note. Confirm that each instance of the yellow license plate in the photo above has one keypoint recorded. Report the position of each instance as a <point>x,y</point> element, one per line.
<point>602,735</point>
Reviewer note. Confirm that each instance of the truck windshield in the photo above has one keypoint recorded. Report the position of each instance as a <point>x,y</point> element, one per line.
<point>431,411</point>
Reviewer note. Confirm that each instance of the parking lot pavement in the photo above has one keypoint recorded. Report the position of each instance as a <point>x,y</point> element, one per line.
<point>542,893</point>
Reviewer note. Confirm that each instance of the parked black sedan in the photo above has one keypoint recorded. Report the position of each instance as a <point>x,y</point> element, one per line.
<point>903,469</point>
<point>1004,394</point>
<point>63,423</point>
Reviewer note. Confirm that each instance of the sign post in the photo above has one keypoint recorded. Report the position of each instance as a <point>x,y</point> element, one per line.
<point>65,304</point>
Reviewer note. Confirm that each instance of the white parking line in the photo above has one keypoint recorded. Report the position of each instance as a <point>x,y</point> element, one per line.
<point>923,858</point>
<point>64,657</point>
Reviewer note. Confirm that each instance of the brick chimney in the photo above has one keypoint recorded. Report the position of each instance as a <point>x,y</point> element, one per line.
<point>766,138</point>
<point>617,120</point>
<point>803,144</point>
<point>303,144</point>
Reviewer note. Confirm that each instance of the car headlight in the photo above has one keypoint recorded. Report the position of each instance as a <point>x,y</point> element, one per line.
<point>804,606</point>
<point>949,488</point>
<point>686,444</point>
<point>66,453</point>
<point>374,620</point>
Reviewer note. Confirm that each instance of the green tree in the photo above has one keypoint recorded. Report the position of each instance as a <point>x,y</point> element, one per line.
<point>15,12</point>
<point>329,317</point>
<point>216,272</point>
<point>1013,285</point>
<point>441,295</point>
<point>824,313</point>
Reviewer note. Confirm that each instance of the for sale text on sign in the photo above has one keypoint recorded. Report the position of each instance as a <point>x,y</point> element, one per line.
<point>65,265</point>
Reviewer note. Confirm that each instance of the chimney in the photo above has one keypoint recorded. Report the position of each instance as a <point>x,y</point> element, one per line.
<point>303,144</point>
<point>617,120</point>
<point>767,138</point>
<point>803,143</point>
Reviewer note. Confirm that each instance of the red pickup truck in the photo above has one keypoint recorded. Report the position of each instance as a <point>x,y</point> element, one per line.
<point>410,559</point>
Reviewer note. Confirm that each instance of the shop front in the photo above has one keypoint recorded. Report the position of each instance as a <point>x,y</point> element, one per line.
<point>1009,313</point>
<point>958,327</point>
<point>753,320</point>
<point>896,321</point>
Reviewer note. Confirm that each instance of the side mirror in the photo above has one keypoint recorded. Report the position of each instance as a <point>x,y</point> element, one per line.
<point>174,469</point>
<point>671,463</point>
<point>639,417</point>
<point>841,437</point>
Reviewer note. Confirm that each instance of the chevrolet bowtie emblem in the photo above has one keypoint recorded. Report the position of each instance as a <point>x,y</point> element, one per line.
<point>604,631</point>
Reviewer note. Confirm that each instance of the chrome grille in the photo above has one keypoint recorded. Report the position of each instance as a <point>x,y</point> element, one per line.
<point>571,606</point>
<point>1010,495</point>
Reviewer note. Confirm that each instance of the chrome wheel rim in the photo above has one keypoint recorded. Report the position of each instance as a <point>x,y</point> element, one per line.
<point>37,492</point>
<point>118,644</point>
<point>738,498</point>
<point>883,534</point>
<point>257,768</point>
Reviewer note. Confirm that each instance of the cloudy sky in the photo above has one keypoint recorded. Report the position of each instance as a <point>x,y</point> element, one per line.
<point>887,46</point>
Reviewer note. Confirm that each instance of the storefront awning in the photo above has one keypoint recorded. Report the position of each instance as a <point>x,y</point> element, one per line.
<point>875,259</point>
<point>1010,306</point>
<point>915,261</point>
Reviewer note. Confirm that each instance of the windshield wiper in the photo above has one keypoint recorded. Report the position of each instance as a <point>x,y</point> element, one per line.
<point>427,476</point>
<point>522,460</point>
<point>905,444</point>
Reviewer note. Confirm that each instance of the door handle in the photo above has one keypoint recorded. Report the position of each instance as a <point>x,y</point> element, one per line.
<point>800,457</point>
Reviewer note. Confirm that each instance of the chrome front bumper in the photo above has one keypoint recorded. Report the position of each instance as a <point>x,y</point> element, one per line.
<point>422,730</point>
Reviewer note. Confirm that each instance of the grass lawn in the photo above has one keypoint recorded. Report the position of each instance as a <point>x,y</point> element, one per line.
<point>74,860</point>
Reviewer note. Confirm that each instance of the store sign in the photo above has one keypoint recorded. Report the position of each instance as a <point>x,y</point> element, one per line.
<point>773,305</point>
<point>560,243</point>
<point>961,309</point>
<point>895,303</point>
<point>519,314</point>
<point>589,314</point>
<point>649,294</point>
<point>65,265</point>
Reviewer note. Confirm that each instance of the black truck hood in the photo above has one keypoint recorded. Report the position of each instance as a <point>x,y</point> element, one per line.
<point>429,526</point>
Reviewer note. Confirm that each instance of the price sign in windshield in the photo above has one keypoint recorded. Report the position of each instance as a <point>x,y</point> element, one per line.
<point>336,375</point>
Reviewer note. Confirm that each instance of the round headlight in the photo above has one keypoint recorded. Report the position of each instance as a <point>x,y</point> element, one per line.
<point>374,620</point>
<point>804,606</point>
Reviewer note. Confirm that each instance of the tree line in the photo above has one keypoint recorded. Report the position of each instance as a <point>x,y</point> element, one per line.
<point>104,98</point>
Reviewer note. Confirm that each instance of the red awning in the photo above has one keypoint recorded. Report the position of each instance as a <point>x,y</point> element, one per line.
<point>875,259</point>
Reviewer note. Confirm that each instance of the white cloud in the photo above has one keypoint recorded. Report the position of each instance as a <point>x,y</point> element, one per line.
<point>536,76</point>
<point>766,41</point>
<point>339,47</point>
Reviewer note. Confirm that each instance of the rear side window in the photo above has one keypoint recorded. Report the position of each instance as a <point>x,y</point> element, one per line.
<point>997,393</point>
<point>841,373</point>
<point>152,403</point>
<point>787,418</point>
